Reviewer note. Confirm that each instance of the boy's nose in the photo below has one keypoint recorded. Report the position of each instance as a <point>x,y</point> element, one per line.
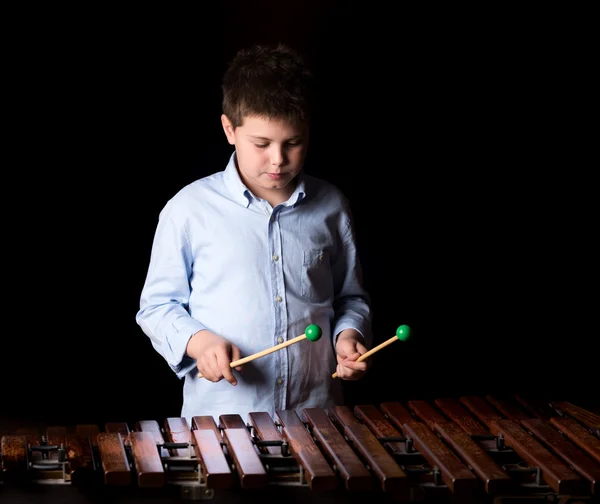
<point>277,157</point>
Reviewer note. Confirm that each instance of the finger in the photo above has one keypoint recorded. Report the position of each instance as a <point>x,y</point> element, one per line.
<point>361,351</point>
<point>215,372</point>
<point>236,354</point>
<point>355,365</point>
<point>345,347</point>
<point>341,371</point>
<point>352,357</point>
<point>224,362</point>
<point>203,371</point>
<point>346,353</point>
<point>366,362</point>
<point>352,374</point>
<point>348,374</point>
<point>361,348</point>
<point>205,367</point>
<point>340,352</point>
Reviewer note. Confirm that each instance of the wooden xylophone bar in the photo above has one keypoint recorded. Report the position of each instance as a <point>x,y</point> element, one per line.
<point>466,449</point>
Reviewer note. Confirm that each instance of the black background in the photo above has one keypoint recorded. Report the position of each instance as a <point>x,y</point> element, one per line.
<point>457,136</point>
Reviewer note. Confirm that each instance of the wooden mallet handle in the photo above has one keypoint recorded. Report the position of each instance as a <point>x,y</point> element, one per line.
<point>402,333</point>
<point>313,333</point>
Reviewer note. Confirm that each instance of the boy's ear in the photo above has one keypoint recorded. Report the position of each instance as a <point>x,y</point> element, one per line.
<point>228,129</point>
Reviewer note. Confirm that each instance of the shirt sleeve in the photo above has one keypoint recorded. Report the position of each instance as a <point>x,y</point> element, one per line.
<point>163,314</point>
<point>351,302</point>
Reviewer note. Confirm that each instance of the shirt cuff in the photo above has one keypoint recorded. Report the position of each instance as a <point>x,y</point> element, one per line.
<point>179,361</point>
<point>357,325</point>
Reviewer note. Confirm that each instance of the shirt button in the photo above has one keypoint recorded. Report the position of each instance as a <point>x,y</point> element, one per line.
<point>280,340</point>
<point>275,258</point>
<point>279,381</point>
<point>278,299</point>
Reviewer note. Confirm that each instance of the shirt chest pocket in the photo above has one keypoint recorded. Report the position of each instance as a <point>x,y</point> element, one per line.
<point>317,278</point>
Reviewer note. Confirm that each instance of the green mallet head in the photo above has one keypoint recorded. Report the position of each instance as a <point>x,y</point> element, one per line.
<point>403,332</point>
<point>313,332</point>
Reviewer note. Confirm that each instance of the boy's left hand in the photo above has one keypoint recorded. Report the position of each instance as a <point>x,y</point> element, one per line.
<point>349,348</point>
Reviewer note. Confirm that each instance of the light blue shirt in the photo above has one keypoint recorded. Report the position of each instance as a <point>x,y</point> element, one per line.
<point>224,260</point>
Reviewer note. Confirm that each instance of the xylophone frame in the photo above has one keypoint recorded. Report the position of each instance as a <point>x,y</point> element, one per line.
<point>504,450</point>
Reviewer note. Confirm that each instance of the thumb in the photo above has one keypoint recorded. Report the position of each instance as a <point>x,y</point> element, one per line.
<point>236,354</point>
<point>346,347</point>
<point>362,349</point>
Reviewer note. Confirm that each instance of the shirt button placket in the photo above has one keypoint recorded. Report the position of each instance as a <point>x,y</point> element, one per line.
<point>281,360</point>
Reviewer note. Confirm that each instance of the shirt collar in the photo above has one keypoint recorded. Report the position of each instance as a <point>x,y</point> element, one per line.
<point>234,183</point>
<point>242,194</point>
<point>299,193</point>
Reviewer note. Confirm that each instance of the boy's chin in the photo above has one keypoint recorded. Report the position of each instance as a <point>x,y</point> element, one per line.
<point>280,184</point>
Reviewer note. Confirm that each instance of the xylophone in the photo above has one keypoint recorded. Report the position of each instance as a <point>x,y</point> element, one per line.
<point>464,449</point>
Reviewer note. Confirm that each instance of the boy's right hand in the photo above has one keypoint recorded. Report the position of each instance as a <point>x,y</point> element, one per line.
<point>213,355</point>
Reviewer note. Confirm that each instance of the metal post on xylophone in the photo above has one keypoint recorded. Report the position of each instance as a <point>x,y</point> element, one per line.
<point>274,452</point>
<point>48,461</point>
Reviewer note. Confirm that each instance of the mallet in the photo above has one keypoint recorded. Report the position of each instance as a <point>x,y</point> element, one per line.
<point>402,333</point>
<point>312,333</point>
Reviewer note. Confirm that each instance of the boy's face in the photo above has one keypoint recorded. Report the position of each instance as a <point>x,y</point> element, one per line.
<point>270,153</point>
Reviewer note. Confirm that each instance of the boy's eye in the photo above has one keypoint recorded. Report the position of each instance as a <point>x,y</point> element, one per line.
<point>288,144</point>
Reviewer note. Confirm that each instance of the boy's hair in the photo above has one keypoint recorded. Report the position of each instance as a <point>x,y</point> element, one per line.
<point>273,81</point>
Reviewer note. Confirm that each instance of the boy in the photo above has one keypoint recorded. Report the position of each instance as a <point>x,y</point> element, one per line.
<point>248,257</point>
